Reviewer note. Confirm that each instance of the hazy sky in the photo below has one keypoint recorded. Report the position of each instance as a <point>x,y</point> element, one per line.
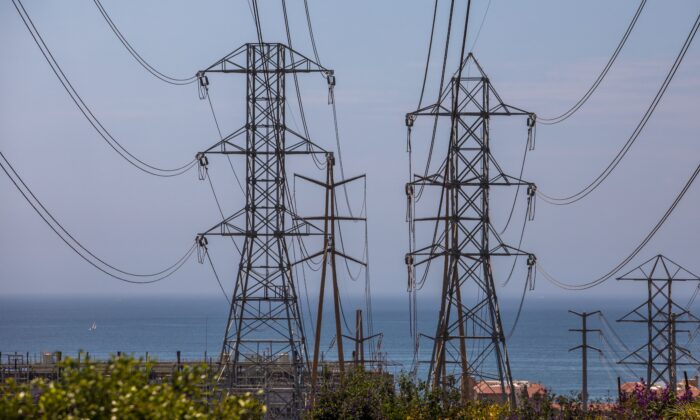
<point>540,55</point>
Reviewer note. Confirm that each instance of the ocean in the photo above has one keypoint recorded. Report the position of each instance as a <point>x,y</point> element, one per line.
<point>538,350</point>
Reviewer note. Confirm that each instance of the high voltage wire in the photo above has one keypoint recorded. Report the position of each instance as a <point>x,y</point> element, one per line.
<point>77,247</point>
<point>611,273</point>
<point>560,201</point>
<point>332,101</point>
<point>420,283</point>
<point>571,111</point>
<point>440,92</point>
<point>137,56</point>
<point>85,110</point>
<point>427,60</point>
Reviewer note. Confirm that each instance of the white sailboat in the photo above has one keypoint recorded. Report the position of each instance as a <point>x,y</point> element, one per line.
<point>93,327</point>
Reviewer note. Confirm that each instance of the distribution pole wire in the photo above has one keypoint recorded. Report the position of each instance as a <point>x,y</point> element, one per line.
<point>561,201</point>
<point>221,211</point>
<point>340,162</point>
<point>318,164</point>
<point>77,247</point>
<point>520,244</point>
<point>520,310</point>
<point>317,161</point>
<point>517,192</point>
<point>216,275</point>
<point>604,339</point>
<point>85,110</point>
<point>571,111</point>
<point>137,56</point>
<point>617,337</point>
<point>221,136</point>
<point>611,273</point>
<point>332,101</point>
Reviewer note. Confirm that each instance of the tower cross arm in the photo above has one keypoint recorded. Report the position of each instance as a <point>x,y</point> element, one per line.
<point>294,61</point>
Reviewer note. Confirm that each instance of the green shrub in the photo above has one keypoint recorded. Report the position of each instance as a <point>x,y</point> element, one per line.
<point>122,390</point>
<point>363,395</point>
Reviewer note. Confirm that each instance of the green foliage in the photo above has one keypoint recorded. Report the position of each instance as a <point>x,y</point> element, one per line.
<point>649,403</point>
<point>687,411</point>
<point>363,395</point>
<point>122,389</point>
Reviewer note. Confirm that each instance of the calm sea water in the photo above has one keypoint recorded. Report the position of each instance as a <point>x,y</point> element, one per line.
<point>161,326</point>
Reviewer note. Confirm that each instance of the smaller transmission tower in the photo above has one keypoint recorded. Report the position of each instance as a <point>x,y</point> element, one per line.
<point>661,354</point>
<point>584,346</point>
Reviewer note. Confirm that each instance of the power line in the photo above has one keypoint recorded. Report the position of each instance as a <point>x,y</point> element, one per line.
<point>331,97</point>
<point>85,110</point>
<point>611,273</point>
<point>311,31</point>
<point>76,246</point>
<point>520,311</point>
<point>481,26</point>
<point>440,92</point>
<point>221,136</point>
<point>571,111</point>
<point>216,275</point>
<point>560,201</point>
<point>427,60</point>
<point>137,56</point>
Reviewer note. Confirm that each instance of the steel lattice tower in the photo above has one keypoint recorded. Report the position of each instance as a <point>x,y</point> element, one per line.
<point>469,321</point>
<point>264,345</point>
<point>661,354</point>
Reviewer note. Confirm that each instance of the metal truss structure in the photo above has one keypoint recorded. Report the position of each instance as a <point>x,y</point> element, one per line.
<point>661,354</point>
<point>469,344</point>
<point>264,345</point>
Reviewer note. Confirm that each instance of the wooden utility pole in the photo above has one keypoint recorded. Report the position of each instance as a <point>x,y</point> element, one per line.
<point>672,378</point>
<point>359,339</point>
<point>584,346</point>
<point>329,253</point>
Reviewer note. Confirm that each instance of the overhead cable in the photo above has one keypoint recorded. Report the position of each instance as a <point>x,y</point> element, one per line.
<point>85,110</point>
<point>427,60</point>
<point>611,273</point>
<point>560,201</point>
<point>571,111</point>
<point>137,56</point>
<point>77,247</point>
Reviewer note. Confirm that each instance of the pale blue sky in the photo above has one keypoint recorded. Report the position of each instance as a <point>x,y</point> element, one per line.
<point>540,55</point>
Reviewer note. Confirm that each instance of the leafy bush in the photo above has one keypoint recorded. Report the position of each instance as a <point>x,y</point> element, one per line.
<point>122,390</point>
<point>647,403</point>
<point>363,395</point>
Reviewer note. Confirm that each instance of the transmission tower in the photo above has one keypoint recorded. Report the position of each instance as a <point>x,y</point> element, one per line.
<point>264,344</point>
<point>469,344</point>
<point>661,354</point>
